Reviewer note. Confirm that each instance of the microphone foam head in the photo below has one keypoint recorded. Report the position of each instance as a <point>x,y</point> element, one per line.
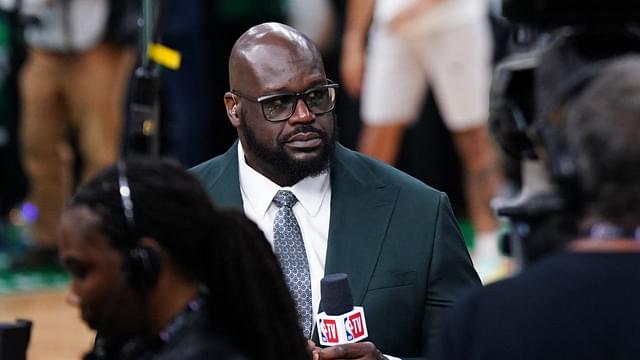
<point>336,294</point>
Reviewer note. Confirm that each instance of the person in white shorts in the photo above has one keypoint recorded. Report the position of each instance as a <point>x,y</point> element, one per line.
<point>413,45</point>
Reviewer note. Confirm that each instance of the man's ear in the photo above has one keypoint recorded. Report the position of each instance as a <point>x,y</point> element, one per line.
<point>233,110</point>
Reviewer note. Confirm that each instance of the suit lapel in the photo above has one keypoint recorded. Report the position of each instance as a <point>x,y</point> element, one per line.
<point>361,207</point>
<point>225,186</point>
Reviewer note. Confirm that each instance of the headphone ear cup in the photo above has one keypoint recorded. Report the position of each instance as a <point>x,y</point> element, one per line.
<point>143,266</point>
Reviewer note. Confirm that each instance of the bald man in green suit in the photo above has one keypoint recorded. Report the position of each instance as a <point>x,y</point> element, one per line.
<point>395,237</point>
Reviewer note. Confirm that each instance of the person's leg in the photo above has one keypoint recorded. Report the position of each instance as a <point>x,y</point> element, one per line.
<point>482,175</point>
<point>460,72</point>
<point>482,180</point>
<point>382,142</point>
<point>392,93</point>
<point>45,153</point>
<point>95,86</point>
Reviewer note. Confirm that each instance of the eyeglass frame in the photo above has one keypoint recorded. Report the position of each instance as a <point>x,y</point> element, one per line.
<point>299,96</point>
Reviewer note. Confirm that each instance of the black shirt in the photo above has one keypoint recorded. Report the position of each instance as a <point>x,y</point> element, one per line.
<point>191,335</point>
<point>567,306</point>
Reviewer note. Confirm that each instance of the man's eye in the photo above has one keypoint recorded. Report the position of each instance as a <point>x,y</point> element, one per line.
<point>317,96</point>
<point>275,106</point>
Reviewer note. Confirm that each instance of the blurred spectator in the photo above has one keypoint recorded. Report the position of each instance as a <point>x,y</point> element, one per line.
<point>427,151</point>
<point>313,18</point>
<point>12,181</point>
<point>231,19</point>
<point>445,44</point>
<point>194,127</point>
<point>187,114</point>
<point>72,84</point>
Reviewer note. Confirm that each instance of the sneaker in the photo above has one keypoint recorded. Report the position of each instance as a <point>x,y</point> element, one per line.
<point>488,261</point>
<point>492,269</point>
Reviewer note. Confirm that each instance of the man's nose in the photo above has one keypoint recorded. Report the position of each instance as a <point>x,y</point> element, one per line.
<point>301,113</point>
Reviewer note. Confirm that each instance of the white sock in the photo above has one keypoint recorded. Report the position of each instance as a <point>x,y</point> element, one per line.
<point>486,244</point>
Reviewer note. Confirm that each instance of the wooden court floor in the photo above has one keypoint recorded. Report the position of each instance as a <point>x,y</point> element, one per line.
<point>58,333</point>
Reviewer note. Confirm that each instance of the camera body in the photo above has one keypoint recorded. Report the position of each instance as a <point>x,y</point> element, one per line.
<point>549,14</point>
<point>562,45</point>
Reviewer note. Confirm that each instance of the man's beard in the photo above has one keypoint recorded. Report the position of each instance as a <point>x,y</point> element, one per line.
<point>282,163</point>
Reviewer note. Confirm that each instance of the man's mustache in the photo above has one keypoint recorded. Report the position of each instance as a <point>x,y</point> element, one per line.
<point>305,129</point>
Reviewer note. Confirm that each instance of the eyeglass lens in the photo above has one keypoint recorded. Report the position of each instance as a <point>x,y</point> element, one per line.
<point>318,101</point>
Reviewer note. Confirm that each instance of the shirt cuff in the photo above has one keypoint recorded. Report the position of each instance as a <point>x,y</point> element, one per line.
<point>391,357</point>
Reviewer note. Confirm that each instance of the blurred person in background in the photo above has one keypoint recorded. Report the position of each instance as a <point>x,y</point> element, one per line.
<point>203,31</point>
<point>161,273</point>
<point>72,85</point>
<point>581,302</point>
<point>186,115</point>
<point>12,181</point>
<point>392,52</point>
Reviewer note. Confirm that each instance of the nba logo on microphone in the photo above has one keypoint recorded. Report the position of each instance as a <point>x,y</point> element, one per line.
<point>355,326</point>
<point>329,331</point>
<point>342,329</point>
<point>348,329</point>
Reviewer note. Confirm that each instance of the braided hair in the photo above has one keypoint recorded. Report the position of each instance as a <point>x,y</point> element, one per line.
<point>219,248</point>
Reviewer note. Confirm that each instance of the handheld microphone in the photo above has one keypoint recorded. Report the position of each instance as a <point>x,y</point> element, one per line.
<point>341,322</point>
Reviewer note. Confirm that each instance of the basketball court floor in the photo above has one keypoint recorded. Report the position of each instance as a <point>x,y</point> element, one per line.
<point>57,333</point>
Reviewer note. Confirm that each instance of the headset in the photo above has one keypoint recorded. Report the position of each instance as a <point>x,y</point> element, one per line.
<point>142,263</point>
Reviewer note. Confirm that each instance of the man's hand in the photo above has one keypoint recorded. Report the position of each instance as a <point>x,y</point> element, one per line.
<point>313,349</point>
<point>363,351</point>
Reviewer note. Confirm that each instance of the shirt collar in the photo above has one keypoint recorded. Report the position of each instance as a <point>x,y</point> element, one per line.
<point>259,191</point>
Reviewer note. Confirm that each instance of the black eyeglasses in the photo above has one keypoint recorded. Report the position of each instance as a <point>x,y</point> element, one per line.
<point>280,107</point>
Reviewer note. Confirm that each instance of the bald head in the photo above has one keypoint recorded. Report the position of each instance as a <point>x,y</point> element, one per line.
<point>275,68</point>
<point>268,50</point>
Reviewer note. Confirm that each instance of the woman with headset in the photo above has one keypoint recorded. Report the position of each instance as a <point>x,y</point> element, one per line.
<point>161,273</point>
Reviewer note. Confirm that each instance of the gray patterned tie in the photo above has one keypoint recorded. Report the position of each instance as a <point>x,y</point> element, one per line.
<point>289,248</point>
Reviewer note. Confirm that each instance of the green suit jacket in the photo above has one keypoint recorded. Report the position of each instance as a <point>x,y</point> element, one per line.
<point>394,236</point>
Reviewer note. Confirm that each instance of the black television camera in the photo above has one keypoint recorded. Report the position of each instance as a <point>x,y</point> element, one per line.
<point>560,47</point>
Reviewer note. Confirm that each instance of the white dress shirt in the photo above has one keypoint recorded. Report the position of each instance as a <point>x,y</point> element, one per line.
<point>312,211</point>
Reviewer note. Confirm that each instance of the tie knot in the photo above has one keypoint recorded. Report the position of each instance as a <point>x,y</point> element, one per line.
<point>285,198</point>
